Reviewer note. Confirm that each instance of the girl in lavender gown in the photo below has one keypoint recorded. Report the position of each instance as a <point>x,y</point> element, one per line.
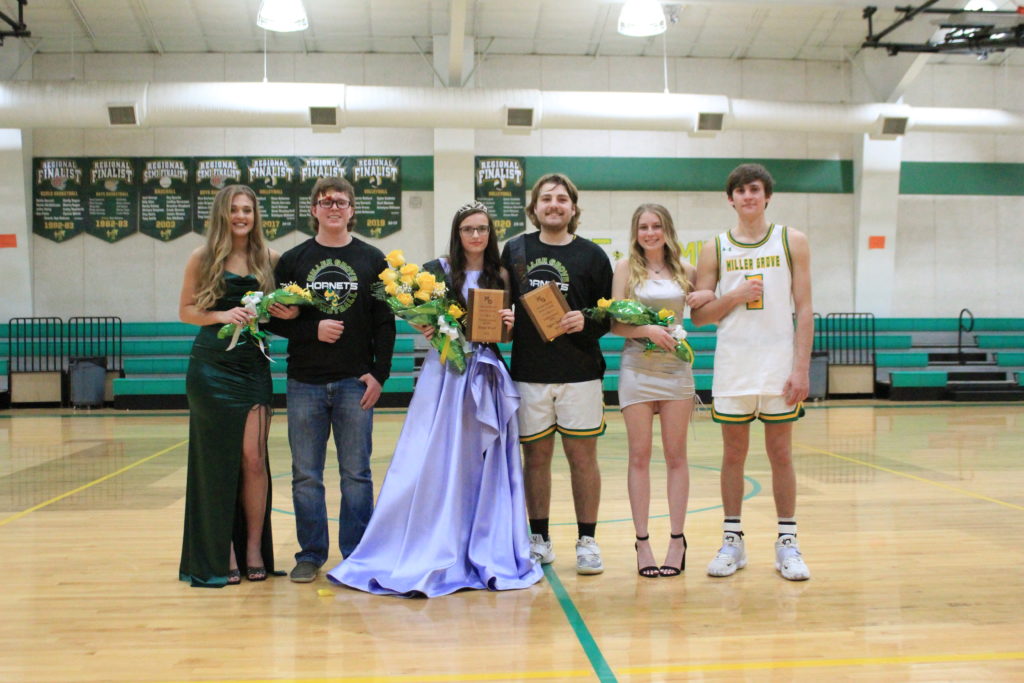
<point>451,513</point>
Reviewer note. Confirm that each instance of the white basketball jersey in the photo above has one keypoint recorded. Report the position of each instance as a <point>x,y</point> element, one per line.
<point>754,348</point>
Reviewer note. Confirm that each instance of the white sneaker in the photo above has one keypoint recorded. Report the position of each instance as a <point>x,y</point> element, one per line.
<point>588,556</point>
<point>731,556</point>
<point>541,550</point>
<point>788,560</point>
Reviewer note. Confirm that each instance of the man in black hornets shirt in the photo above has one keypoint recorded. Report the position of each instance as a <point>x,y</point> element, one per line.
<point>560,380</point>
<point>339,355</point>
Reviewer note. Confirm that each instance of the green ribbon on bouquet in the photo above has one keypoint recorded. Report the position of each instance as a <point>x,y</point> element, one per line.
<point>632,312</point>
<point>259,305</point>
<point>443,315</point>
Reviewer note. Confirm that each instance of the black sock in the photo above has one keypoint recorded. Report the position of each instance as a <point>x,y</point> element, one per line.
<point>540,526</point>
<point>586,529</point>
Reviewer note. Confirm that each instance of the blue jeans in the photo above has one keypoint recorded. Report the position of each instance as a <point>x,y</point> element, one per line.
<point>313,410</point>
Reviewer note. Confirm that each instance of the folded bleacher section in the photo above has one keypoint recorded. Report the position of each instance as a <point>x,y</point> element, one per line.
<point>912,359</point>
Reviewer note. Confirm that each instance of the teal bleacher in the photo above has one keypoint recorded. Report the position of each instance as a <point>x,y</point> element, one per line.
<point>916,358</point>
<point>988,365</point>
<point>156,360</point>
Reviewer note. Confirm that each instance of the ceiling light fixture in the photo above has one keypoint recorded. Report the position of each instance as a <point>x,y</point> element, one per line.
<point>641,18</point>
<point>282,16</point>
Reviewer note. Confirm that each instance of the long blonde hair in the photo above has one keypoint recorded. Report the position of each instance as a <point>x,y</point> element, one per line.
<point>637,259</point>
<point>210,283</point>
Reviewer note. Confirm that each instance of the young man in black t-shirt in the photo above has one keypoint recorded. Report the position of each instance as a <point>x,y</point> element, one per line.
<point>339,355</point>
<point>560,380</point>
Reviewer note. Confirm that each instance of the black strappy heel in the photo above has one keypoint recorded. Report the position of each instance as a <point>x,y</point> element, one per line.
<point>650,572</point>
<point>669,570</point>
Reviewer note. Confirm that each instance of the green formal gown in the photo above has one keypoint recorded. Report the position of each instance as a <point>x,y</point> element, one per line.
<point>222,387</point>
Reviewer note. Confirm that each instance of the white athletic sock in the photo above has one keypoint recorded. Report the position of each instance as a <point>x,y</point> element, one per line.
<point>787,526</point>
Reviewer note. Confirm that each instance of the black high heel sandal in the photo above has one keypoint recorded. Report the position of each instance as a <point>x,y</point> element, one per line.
<point>669,570</point>
<point>650,572</point>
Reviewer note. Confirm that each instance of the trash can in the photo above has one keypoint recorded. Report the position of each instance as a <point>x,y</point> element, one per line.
<point>87,380</point>
<point>818,375</point>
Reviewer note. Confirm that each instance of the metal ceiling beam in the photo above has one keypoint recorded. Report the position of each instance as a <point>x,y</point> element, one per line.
<point>147,26</point>
<point>456,41</point>
<point>18,27</point>
<point>85,24</point>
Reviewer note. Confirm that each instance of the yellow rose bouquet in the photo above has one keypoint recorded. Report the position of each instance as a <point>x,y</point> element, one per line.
<point>632,312</point>
<point>259,304</point>
<point>418,297</point>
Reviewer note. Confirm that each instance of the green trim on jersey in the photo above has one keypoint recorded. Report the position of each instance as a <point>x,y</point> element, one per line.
<point>744,245</point>
<point>538,436</point>
<point>785,247</point>
<point>791,416</point>
<point>582,433</point>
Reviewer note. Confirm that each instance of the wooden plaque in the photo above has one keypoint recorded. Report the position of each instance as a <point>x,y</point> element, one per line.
<point>484,324</point>
<point>546,306</point>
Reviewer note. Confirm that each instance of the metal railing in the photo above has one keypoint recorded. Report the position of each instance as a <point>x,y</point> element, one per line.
<point>850,338</point>
<point>47,344</point>
<point>96,337</point>
<point>960,329</point>
<point>35,345</point>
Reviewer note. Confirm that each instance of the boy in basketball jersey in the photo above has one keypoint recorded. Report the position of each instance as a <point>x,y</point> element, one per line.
<point>762,273</point>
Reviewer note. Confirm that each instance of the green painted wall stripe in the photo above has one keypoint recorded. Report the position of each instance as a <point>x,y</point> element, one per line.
<point>690,175</point>
<point>597,661</point>
<point>663,174</point>
<point>418,174</point>
<point>956,178</point>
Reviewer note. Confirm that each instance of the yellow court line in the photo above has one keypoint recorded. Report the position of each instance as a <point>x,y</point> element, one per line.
<point>824,663</point>
<point>91,483</point>
<point>972,494</point>
<point>648,670</point>
<point>419,678</point>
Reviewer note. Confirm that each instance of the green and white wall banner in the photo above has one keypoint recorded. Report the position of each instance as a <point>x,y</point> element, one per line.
<point>273,179</point>
<point>311,169</point>
<point>211,176</point>
<point>501,187</point>
<point>58,207</point>
<point>378,184</point>
<point>165,198</point>
<point>112,198</point>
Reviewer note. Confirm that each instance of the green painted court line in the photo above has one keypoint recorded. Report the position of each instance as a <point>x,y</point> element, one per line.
<point>590,648</point>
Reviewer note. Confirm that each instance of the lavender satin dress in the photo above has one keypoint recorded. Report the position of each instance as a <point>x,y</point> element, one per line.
<point>451,513</point>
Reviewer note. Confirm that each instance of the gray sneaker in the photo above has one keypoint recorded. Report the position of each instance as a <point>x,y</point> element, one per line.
<point>788,560</point>
<point>541,550</point>
<point>731,556</point>
<point>588,556</point>
<point>304,572</point>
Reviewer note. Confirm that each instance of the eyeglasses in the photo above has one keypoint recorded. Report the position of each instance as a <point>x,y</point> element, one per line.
<point>474,230</point>
<point>328,203</point>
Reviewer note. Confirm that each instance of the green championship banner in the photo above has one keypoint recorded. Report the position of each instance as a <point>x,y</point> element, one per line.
<point>378,185</point>
<point>273,180</point>
<point>167,197</point>
<point>58,209</point>
<point>501,187</point>
<point>165,200</point>
<point>310,170</point>
<point>211,176</point>
<point>112,198</point>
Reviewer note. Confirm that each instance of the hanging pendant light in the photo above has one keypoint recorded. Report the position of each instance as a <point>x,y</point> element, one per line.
<point>641,18</point>
<point>282,16</point>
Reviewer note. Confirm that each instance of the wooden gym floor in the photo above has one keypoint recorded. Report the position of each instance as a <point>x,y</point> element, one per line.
<point>911,521</point>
